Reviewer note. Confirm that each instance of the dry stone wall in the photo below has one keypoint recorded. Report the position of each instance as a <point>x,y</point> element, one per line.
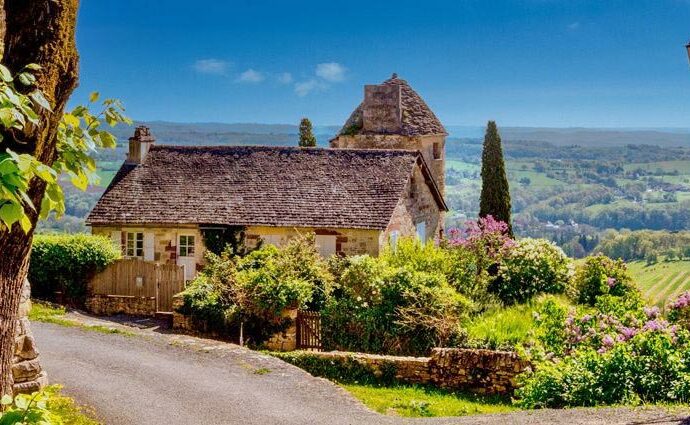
<point>27,374</point>
<point>479,371</point>
<point>108,305</point>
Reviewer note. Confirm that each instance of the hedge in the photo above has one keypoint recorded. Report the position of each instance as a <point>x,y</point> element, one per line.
<point>65,263</point>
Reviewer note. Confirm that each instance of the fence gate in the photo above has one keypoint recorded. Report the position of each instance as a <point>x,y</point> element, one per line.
<point>139,278</point>
<point>308,330</point>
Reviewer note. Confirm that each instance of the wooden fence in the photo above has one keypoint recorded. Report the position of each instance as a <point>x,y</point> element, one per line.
<point>308,330</point>
<point>139,278</point>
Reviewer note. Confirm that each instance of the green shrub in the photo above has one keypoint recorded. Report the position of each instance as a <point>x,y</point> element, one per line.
<point>256,289</point>
<point>45,407</point>
<point>65,263</point>
<point>378,306</point>
<point>531,267</point>
<point>599,275</point>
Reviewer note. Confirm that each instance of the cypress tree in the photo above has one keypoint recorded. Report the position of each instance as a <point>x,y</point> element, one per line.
<point>495,197</point>
<point>306,137</point>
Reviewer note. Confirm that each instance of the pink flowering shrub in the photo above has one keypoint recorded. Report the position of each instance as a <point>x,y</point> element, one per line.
<point>679,310</point>
<point>599,275</point>
<point>619,352</point>
<point>486,236</point>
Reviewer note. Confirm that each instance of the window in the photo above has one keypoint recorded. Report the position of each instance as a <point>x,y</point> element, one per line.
<point>393,239</point>
<point>413,188</point>
<point>421,231</point>
<point>186,246</point>
<point>134,244</point>
<point>325,244</point>
<point>437,151</point>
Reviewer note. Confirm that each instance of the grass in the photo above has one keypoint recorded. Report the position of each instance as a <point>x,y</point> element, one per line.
<point>66,409</point>
<point>663,281</point>
<point>416,401</point>
<point>52,313</point>
<point>505,327</point>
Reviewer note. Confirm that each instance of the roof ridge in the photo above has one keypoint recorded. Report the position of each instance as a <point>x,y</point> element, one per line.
<point>271,147</point>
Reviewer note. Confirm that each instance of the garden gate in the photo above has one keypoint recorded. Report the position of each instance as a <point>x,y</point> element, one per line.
<point>309,330</point>
<point>139,278</point>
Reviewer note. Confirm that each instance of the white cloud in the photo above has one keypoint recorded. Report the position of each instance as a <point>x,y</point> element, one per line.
<point>251,76</point>
<point>303,88</point>
<point>285,78</point>
<point>573,26</point>
<point>211,66</point>
<point>331,71</point>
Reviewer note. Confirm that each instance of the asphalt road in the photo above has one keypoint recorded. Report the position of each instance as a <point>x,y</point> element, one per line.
<point>157,379</point>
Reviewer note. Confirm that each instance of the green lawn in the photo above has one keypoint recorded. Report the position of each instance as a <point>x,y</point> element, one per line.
<point>415,401</point>
<point>504,327</point>
<point>661,282</point>
<point>683,167</point>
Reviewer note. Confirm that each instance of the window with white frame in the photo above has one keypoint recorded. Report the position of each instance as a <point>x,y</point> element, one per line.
<point>134,244</point>
<point>421,230</point>
<point>186,245</point>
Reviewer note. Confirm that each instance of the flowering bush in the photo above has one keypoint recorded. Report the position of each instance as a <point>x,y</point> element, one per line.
<point>599,275</point>
<point>651,366</point>
<point>531,267</point>
<point>618,352</point>
<point>679,310</point>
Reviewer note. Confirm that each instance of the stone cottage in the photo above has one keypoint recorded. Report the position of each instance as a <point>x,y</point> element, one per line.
<point>373,186</point>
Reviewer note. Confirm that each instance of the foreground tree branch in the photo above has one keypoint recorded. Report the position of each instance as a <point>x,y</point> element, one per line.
<point>40,32</point>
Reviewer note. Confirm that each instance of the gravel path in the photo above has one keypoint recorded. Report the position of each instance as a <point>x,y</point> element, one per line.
<point>157,378</point>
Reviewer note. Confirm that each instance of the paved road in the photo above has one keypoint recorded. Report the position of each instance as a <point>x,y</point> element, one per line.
<point>158,379</point>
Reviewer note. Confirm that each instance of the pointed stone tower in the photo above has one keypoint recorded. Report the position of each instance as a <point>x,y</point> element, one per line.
<point>394,116</point>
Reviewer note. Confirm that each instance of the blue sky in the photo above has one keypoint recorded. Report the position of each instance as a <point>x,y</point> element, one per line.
<point>556,63</point>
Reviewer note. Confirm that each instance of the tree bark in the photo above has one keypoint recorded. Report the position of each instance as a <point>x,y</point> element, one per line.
<point>40,32</point>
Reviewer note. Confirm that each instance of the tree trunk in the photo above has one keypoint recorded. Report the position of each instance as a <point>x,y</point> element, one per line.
<point>40,32</point>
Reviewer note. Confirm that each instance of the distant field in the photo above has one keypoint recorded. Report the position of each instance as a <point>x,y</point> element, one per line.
<point>661,282</point>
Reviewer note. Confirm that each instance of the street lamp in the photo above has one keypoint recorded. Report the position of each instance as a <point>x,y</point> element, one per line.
<point>687,47</point>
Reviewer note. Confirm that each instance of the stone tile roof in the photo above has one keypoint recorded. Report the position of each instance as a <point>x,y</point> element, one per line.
<point>257,185</point>
<point>417,118</point>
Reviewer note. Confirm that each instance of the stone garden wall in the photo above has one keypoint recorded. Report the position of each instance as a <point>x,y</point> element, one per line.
<point>108,305</point>
<point>479,371</point>
<point>26,369</point>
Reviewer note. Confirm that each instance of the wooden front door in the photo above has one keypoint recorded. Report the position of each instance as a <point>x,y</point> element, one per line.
<point>186,248</point>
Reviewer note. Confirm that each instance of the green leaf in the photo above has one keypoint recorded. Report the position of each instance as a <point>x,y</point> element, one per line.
<point>26,78</point>
<point>71,120</point>
<point>21,402</point>
<point>6,399</point>
<point>11,213</point>
<point>25,223</point>
<point>93,97</point>
<point>33,67</point>
<point>37,96</point>
<point>5,74</point>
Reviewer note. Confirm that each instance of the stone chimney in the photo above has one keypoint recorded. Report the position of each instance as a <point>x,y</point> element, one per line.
<point>139,145</point>
<point>381,110</point>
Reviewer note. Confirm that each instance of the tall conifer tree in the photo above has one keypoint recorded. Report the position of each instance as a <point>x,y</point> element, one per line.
<point>306,136</point>
<point>495,197</point>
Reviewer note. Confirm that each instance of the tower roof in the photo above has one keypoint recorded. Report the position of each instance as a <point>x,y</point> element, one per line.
<point>416,118</point>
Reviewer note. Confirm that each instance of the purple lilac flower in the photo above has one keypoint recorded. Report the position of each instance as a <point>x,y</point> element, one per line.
<point>608,341</point>
<point>611,282</point>
<point>652,312</point>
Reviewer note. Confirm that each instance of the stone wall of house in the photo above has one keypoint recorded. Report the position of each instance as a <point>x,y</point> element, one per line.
<point>347,241</point>
<point>108,305</point>
<point>424,144</point>
<point>165,240</point>
<point>416,206</point>
<point>479,371</point>
<point>26,369</point>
